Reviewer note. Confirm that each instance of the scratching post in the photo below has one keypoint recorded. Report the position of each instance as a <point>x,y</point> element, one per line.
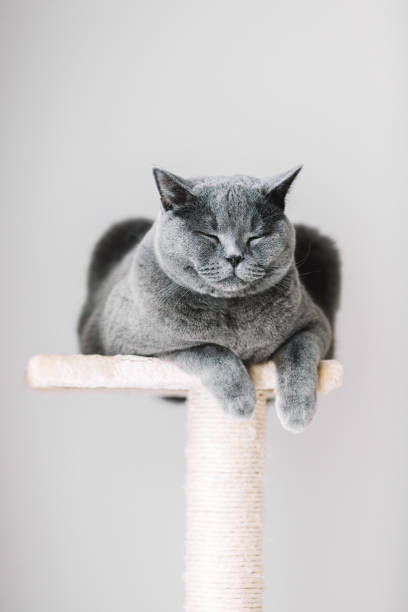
<point>225,496</point>
<point>225,468</point>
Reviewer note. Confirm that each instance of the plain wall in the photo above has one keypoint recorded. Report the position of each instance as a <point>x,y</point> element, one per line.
<point>92,95</point>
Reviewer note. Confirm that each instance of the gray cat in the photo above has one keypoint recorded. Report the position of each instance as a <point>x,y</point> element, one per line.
<point>221,279</point>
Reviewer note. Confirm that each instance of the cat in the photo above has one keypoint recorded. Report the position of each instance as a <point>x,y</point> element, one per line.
<point>220,280</point>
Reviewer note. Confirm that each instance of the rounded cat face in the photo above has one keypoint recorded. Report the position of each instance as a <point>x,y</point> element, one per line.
<point>224,236</point>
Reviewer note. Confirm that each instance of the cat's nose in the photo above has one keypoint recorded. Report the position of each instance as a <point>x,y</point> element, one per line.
<point>234,260</point>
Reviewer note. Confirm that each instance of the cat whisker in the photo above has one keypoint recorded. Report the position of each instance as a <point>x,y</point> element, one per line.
<point>303,259</point>
<point>256,270</point>
<point>170,298</point>
<point>253,276</point>
<point>209,274</point>
<point>310,272</point>
<point>209,267</point>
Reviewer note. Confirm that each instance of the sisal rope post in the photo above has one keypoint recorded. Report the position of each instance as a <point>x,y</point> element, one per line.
<point>225,500</point>
<point>225,468</point>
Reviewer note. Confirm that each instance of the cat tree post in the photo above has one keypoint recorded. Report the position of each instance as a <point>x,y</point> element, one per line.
<point>225,468</point>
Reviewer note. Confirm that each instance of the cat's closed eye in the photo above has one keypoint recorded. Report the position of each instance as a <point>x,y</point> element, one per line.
<point>210,236</point>
<point>254,239</point>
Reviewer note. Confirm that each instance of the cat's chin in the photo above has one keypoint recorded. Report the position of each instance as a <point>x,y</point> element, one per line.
<point>228,287</point>
<point>233,284</point>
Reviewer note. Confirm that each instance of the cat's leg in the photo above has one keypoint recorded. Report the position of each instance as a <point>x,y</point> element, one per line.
<point>221,372</point>
<point>297,364</point>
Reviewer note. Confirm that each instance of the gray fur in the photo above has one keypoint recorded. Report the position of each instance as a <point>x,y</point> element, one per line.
<point>213,286</point>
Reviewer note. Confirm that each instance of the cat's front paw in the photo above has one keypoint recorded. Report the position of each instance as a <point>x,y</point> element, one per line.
<point>240,400</point>
<point>295,412</point>
<point>240,406</point>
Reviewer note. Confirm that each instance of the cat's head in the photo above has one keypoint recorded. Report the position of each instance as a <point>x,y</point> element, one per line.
<point>224,236</point>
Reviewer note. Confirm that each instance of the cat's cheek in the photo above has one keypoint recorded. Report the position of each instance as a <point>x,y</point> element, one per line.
<point>204,252</point>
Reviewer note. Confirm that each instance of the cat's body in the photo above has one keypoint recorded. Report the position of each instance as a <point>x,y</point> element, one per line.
<point>141,302</point>
<point>175,318</point>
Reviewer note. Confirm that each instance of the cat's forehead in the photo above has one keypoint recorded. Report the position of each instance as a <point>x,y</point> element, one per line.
<point>229,198</point>
<point>228,203</point>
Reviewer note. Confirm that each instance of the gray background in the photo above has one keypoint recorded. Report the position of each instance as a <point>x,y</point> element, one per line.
<point>94,94</point>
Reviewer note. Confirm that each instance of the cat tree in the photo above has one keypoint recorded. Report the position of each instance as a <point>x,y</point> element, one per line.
<point>225,468</point>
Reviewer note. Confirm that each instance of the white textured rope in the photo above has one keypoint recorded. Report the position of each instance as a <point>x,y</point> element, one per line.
<point>225,498</point>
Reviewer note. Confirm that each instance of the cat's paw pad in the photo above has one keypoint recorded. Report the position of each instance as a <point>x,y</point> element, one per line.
<point>295,414</point>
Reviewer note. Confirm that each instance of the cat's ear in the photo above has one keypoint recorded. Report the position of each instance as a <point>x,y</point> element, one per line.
<point>175,192</point>
<point>276,189</point>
